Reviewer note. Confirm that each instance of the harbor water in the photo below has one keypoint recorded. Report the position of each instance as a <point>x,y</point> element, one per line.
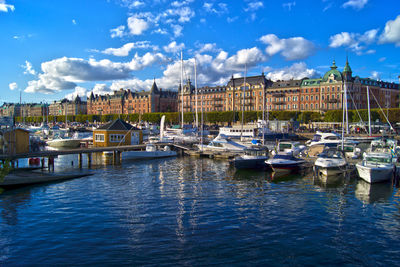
<point>193,212</point>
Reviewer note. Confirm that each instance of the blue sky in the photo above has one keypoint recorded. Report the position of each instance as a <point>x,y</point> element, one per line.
<point>52,49</point>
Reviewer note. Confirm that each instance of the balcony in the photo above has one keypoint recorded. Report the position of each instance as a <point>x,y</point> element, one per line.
<point>248,104</point>
<point>186,106</point>
<point>218,99</point>
<point>218,105</point>
<point>280,103</point>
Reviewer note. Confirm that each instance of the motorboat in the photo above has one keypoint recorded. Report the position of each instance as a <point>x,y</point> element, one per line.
<point>238,131</point>
<point>331,162</point>
<point>289,147</point>
<point>285,162</point>
<point>326,139</point>
<point>67,142</point>
<point>253,158</point>
<point>376,167</point>
<point>150,152</point>
<point>350,150</point>
<point>385,145</point>
<point>223,144</point>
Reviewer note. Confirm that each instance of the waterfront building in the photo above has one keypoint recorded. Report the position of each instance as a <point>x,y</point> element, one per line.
<point>319,95</point>
<point>68,107</point>
<point>14,141</point>
<point>117,133</point>
<point>129,102</point>
<point>10,110</point>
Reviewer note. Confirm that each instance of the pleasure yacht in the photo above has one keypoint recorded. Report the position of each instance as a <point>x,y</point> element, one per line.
<point>326,139</point>
<point>376,167</point>
<point>223,144</point>
<point>253,158</point>
<point>331,162</point>
<point>150,152</point>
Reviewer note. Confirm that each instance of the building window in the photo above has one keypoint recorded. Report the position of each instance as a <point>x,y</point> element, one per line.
<point>316,106</point>
<point>99,137</point>
<point>316,97</point>
<point>117,138</point>
<point>311,98</point>
<point>306,97</point>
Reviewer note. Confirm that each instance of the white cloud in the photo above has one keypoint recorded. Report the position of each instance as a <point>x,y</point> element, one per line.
<point>136,4</point>
<point>181,3</point>
<point>294,48</point>
<point>356,4</point>
<point>391,33</point>
<point>4,7</point>
<point>289,5</point>
<point>210,47</point>
<point>100,89</point>
<point>28,68</point>
<point>173,47</point>
<point>13,86</point>
<point>118,32</point>
<point>382,59</point>
<point>219,9</point>
<point>133,84</point>
<point>375,75</point>
<point>74,22</point>
<point>63,73</point>
<point>295,71</point>
<point>177,30</point>
<point>184,14</point>
<point>79,91</point>
<point>254,6</point>
<point>137,26</point>
<point>119,52</point>
<point>354,41</point>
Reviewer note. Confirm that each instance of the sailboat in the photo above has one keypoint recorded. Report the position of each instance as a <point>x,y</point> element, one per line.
<point>378,162</point>
<point>332,161</point>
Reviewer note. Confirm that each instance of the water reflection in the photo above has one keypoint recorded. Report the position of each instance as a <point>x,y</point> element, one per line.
<point>11,202</point>
<point>371,193</point>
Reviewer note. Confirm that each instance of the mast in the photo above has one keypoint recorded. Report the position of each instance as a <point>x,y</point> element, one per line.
<point>244,92</point>
<point>182,87</point>
<point>195,90</point>
<point>343,113</point>
<point>263,114</point>
<point>202,121</point>
<point>369,113</point>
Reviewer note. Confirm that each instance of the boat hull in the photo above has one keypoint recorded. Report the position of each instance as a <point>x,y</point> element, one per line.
<point>376,174</point>
<point>250,163</point>
<point>71,143</point>
<point>278,164</point>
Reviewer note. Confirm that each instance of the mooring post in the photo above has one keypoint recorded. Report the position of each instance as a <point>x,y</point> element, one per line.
<point>89,160</point>
<point>80,160</point>
<point>42,163</point>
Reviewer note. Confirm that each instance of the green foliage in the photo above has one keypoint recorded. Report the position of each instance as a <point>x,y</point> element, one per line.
<point>5,168</point>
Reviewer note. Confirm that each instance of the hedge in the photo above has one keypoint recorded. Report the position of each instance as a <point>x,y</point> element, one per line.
<point>229,117</point>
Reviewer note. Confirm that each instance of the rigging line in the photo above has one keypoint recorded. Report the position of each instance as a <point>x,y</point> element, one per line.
<point>391,127</point>
<point>352,100</point>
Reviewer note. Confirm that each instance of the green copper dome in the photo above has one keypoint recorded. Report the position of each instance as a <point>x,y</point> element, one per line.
<point>337,75</point>
<point>347,67</point>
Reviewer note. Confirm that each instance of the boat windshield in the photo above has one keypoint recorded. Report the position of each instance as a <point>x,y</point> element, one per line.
<point>283,146</point>
<point>331,153</point>
<point>316,138</point>
<point>378,159</point>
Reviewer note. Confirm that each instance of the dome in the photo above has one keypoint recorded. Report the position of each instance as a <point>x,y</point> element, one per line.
<point>333,71</point>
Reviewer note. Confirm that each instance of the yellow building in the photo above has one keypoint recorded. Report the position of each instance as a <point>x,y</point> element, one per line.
<point>15,141</point>
<point>117,133</point>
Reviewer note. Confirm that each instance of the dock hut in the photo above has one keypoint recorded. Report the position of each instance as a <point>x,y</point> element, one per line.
<point>14,141</point>
<point>117,133</point>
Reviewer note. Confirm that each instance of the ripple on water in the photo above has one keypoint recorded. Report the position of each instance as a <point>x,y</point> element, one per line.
<point>198,212</point>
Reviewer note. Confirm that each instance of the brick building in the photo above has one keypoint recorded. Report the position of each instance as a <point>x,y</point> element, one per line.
<point>322,94</point>
<point>67,107</point>
<point>129,102</point>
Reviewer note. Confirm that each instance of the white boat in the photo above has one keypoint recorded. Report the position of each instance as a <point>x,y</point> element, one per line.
<point>376,167</point>
<point>150,153</point>
<point>285,162</point>
<point>331,162</point>
<point>223,144</point>
<point>326,139</point>
<point>64,142</point>
<point>289,147</point>
<point>253,158</point>
<point>238,131</point>
<point>350,150</point>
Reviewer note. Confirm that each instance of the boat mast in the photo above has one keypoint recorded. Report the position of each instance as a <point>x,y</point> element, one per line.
<point>369,113</point>
<point>244,92</point>
<point>263,114</point>
<point>182,87</point>
<point>195,90</point>
<point>202,120</point>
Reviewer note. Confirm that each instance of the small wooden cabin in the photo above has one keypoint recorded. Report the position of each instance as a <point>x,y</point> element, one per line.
<point>14,141</point>
<point>117,133</point>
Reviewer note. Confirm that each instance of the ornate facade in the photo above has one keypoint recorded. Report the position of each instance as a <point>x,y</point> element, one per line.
<point>129,102</point>
<point>322,94</point>
<point>67,107</point>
